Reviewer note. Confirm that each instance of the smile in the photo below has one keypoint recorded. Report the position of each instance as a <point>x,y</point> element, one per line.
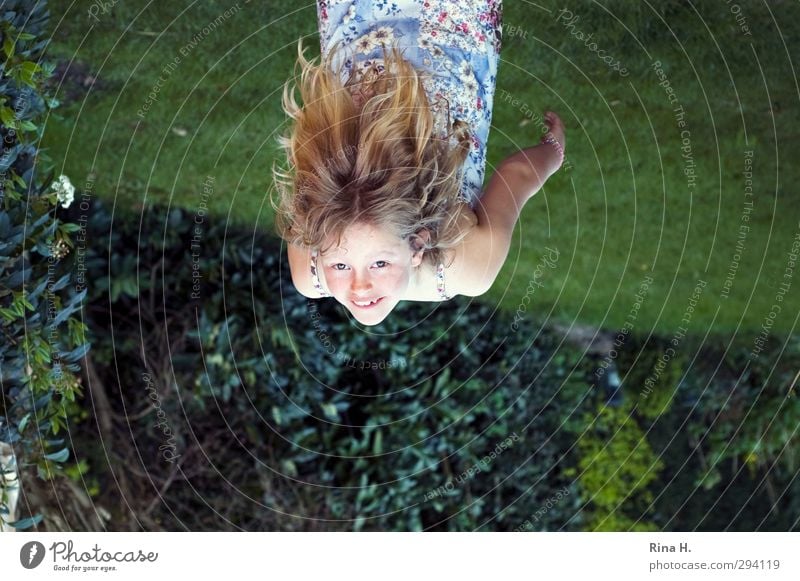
<point>366,304</point>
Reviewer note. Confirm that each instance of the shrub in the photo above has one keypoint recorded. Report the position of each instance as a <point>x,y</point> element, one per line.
<point>42,340</point>
<point>616,466</point>
<point>287,394</point>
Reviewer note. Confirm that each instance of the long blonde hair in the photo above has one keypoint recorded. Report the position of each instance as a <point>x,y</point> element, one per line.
<point>380,163</point>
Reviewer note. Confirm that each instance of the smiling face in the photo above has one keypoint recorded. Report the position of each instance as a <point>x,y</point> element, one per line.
<point>370,271</point>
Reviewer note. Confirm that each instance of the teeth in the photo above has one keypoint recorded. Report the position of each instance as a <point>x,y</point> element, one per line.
<point>366,304</point>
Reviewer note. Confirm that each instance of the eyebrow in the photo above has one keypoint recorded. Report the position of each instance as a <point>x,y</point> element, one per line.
<point>376,253</point>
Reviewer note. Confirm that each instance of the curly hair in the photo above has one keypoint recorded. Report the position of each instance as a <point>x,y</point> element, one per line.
<point>369,151</point>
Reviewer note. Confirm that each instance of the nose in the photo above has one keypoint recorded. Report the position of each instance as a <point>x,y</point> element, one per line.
<point>361,284</point>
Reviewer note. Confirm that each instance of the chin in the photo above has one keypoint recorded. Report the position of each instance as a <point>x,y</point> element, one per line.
<point>370,318</point>
<point>369,321</point>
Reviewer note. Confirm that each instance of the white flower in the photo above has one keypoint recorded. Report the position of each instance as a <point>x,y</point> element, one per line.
<point>470,85</point>
<point>351,13</point>
<point>467,77</point>
<point>384,35</point>
<point>364,44</point>
<point>65,191</point>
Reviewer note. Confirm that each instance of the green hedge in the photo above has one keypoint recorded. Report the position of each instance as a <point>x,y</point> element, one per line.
<point>250,407</point>
<point>43,341</point>
<point>451,423</point>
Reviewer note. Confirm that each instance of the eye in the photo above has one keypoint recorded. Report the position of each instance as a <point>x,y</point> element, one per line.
<point>382,262</point>
<point>337,265</point>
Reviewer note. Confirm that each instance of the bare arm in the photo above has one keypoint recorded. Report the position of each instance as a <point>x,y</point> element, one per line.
<point>516,180</point>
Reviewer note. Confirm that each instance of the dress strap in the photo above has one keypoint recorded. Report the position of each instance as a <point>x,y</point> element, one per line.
<point>314,277</point>
<point>440,283</point>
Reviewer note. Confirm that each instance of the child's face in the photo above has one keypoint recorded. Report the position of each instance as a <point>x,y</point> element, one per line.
<point>370,264</point>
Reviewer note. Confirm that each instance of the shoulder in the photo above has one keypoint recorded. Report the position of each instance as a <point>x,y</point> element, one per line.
<point>465,269</point>
<point>424,285</point>
<point>468,273</point>
<point>300,267</point>
<point>477,260</point>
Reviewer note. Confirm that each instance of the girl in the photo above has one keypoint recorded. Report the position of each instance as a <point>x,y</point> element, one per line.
<point>384,201</point>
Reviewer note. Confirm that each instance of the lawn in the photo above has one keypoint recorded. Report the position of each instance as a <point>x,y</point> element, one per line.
<point>655,189</point>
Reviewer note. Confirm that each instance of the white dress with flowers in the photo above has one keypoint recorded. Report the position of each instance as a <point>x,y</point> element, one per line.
<point>457,42</point>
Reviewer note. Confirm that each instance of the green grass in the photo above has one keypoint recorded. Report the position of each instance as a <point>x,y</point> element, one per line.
<point>623,209</point>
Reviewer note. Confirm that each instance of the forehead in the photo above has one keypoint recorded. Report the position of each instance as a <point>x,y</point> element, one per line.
<point>361,238</point>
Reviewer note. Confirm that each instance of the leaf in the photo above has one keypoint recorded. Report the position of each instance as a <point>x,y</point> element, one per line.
<point>69,227</point>
<point>23,422</point>
<point>26,523</point>
<point>330,411</point>
<point>61,282</point>
<point>78,353</point>
<point>8,46</point>
<point>60,456</point>
<point>7,116</point>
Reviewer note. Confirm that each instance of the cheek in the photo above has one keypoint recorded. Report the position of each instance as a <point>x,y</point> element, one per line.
<point>337,281</point>
<point>396,282</point>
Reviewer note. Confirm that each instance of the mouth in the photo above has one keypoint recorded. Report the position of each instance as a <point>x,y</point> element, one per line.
<point>367,304</point>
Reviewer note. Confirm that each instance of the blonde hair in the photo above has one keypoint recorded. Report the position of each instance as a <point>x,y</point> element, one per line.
<point>380,163</point>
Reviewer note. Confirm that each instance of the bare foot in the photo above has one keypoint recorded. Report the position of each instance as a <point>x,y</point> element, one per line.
<point>556,128</point>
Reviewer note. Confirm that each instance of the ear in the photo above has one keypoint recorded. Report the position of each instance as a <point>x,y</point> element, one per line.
<point>418,243</point>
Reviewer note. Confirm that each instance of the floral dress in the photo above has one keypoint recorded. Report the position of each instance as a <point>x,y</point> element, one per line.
<point>456,41</point>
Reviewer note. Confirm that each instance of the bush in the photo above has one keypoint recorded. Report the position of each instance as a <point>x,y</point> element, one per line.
<point>725,428</point>
<point>615,468</point>
<point>42,340</point>
<point>454,424</point>
<point>250,407</point>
